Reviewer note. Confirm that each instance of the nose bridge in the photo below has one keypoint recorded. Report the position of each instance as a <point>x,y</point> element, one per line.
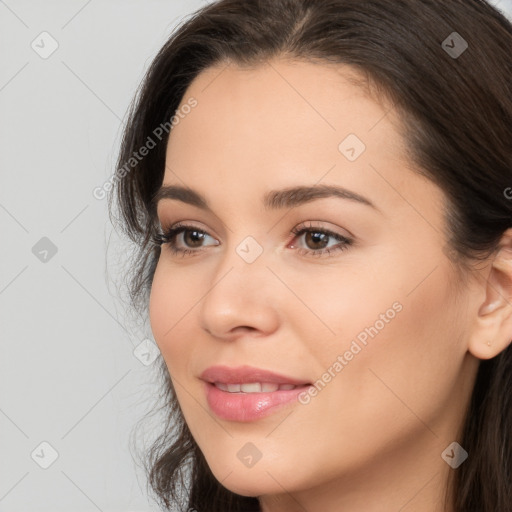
<point>240,291</point>
<point>243,260</point>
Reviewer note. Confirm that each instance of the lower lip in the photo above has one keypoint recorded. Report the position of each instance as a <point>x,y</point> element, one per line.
<point>247,407</point>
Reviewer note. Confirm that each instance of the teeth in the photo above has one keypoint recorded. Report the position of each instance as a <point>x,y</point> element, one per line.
<point>254,387</point>
<point>269,387</point>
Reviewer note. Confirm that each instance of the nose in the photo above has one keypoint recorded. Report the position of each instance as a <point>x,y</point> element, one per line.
<point>241,298</point>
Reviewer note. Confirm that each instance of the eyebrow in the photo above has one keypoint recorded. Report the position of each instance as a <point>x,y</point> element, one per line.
<point>272,200</point>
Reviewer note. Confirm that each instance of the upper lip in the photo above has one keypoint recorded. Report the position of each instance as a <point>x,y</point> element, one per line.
<point>246,374</point>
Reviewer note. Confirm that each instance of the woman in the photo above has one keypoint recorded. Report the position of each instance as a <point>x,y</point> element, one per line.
<point>319,200</point>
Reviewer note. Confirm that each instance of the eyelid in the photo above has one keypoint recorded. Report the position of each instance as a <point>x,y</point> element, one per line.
<point>164,219</point>
<point>188,224</point>
<point>307,225</point>
<point>183,226</point>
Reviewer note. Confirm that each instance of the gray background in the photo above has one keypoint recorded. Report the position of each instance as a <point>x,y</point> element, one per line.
<point>75,372</point>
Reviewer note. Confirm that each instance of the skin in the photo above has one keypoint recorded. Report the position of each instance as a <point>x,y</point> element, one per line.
<point>372,438</point>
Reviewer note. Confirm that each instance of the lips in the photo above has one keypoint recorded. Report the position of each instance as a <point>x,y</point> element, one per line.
<point>247,375</point>
<point>248,394</point>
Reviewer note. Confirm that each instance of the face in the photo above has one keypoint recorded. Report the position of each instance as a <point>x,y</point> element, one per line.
<point>342,288</point>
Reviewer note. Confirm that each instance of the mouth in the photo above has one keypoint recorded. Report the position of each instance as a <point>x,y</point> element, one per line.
<point>246,394</point>
<point>249,377</point>
<point>254,387</point>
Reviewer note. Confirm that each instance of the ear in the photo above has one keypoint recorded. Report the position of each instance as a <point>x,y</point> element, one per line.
<point>493,326</point>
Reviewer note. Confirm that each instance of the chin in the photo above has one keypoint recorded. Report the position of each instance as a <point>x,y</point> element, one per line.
<point>247,485</point>
<point>260,480</point>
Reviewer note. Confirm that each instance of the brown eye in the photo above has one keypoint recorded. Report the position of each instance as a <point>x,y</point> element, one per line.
<point>184,239</point>
<point>311,241</point>
<point>316,240</point>
<point>193,238</point>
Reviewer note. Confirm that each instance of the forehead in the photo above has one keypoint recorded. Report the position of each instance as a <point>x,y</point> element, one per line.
<point>280,110</point>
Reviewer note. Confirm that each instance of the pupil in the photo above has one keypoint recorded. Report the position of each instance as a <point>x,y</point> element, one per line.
<point>317,238</point>
<point>194,240</point>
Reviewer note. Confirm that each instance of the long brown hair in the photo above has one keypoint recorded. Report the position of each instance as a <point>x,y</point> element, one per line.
<point>457,110</point>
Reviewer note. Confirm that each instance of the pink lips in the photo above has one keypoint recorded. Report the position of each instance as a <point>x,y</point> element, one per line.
<point>248,406</point>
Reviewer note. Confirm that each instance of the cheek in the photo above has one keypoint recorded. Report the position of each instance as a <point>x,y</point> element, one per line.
<point>160,304</point>
<point>399,345</point>
<point>337,307</point>
<point>171,300</point>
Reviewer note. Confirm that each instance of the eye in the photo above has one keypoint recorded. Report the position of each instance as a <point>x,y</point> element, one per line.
<point>319,241</point>
<point>184,239</point>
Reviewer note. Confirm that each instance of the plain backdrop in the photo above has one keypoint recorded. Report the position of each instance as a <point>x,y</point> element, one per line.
<point>75,375</point>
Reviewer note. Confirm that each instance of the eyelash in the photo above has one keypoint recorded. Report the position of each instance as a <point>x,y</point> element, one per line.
<point>168,236</point>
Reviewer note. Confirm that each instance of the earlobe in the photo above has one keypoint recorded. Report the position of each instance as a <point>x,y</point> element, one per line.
<point>493,327</point>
